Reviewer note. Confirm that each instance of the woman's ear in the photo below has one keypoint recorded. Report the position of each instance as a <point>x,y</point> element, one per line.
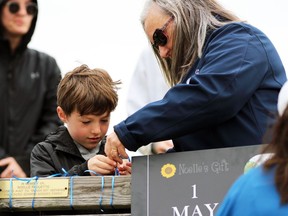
<point>61,114</point>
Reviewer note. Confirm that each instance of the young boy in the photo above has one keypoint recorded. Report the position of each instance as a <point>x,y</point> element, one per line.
<point>85,98</point>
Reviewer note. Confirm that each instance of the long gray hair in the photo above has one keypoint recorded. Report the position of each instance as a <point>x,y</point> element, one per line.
<point>192,20</point>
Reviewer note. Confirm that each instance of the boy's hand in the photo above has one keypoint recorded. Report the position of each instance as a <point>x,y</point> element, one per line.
<point>101,164</point>
<point>125,168</point>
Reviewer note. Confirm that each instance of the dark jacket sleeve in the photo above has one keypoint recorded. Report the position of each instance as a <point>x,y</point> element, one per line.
<point>49,120</point>
<point>41,163</point>
<point>79,170</point>
<point>45,162</point>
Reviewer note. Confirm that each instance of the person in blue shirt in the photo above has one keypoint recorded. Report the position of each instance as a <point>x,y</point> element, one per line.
<point>225,77</point>
<point>263,190</point>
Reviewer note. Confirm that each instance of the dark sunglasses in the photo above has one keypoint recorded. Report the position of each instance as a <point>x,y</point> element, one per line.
<point>159,37</point>
<point>31,8</point>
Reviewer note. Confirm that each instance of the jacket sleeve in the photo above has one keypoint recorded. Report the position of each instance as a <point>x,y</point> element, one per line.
<point>45,162</point>
<point>41,163</point>
<point>79,170</point>
<point>231,69</point>
<point>48,120</point>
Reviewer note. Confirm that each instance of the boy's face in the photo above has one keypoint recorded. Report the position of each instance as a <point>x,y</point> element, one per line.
<point>86,130</point>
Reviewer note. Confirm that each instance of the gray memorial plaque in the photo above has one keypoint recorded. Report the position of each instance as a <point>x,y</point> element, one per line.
<point>188,183</point>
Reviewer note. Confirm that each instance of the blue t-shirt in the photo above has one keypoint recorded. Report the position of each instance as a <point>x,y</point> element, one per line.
<point>253,194</point>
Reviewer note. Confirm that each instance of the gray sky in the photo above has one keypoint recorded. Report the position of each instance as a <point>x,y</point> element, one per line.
<point>108,34</point>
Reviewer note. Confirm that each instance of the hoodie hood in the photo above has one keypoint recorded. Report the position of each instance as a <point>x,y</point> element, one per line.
<point>27,37</point>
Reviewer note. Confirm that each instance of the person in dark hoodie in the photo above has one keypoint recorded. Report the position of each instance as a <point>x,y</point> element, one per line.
<point>225,76</point>
<point>28,85</point>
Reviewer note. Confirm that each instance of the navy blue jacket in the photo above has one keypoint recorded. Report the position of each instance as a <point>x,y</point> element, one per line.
<point>227,99</point>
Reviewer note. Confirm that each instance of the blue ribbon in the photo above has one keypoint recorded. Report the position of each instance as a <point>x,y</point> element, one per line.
<point>71,192</point>
<point>27,180</point>
<point>112,193</point>
<point>101,197</point>
<point>10,194</point>
<point>65,174</point>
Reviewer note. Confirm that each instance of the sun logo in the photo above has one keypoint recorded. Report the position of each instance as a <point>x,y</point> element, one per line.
<point>168,170</point>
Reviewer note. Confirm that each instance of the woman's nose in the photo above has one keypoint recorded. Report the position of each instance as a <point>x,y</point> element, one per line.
<point>163,52</point>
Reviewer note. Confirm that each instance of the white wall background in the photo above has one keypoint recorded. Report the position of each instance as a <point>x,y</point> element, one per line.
<point>108,34</point>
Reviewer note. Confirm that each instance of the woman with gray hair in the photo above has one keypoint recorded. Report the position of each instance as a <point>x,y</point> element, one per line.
<point>225,77</point>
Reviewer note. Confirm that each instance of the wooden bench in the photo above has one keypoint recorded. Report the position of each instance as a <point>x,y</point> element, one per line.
<point>98,195</point>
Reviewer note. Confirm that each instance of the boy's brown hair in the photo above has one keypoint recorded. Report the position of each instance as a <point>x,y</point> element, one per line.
<point>88,91</point>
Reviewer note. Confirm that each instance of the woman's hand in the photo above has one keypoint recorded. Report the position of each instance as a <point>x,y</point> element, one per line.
<point>114,149</point>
